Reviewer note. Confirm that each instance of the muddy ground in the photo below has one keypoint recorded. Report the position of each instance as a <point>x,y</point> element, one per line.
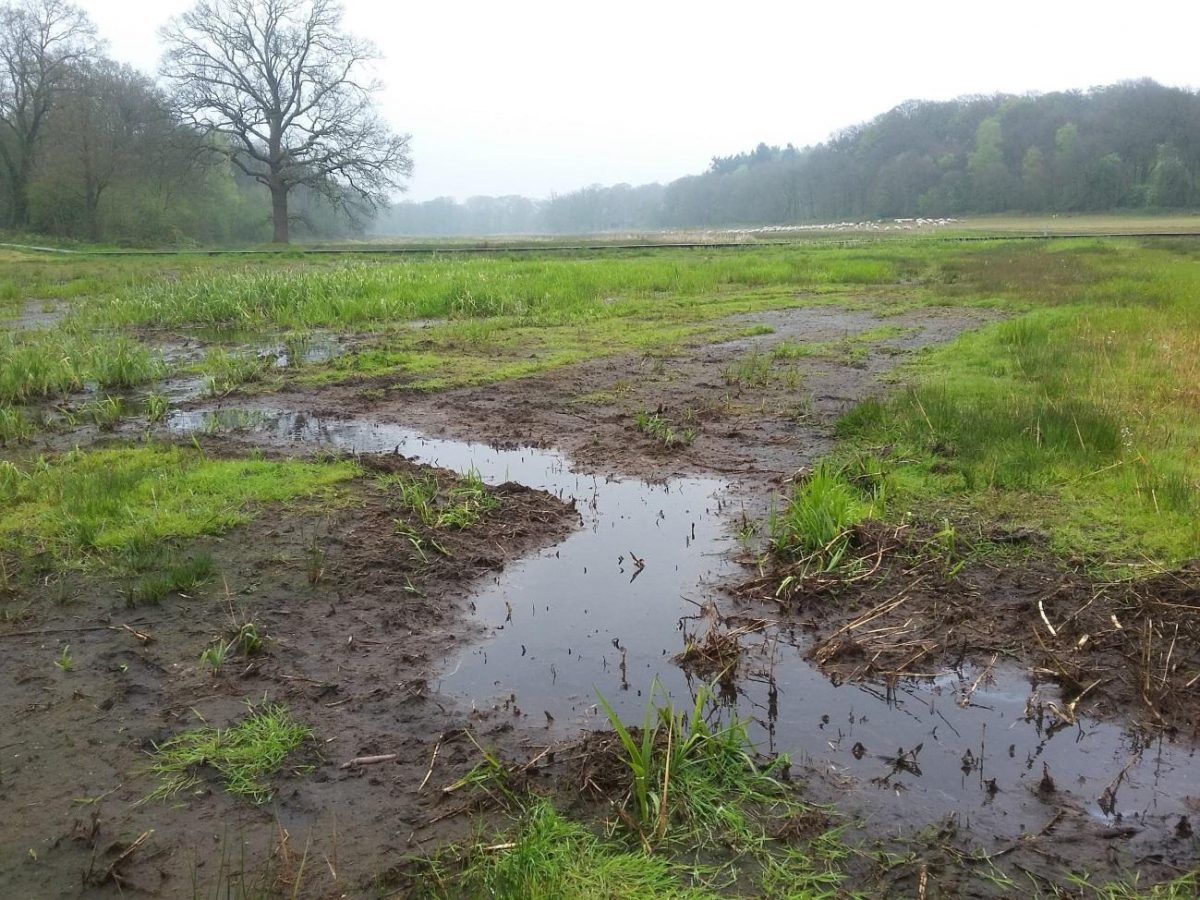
<point>357,652</point>
<point>754,433</point>
<point>354,620</point>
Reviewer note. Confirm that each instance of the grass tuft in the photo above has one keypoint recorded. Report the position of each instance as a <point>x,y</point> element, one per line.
<point>225,372</point>
<point>244,755</point>
<point>553,856</point>
<point>51,363</point>
<point>816,526</point>
<point>655,425</point>
<point>458,506</point>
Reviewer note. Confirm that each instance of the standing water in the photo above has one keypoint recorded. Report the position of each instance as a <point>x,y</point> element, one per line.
<point>604,612</point>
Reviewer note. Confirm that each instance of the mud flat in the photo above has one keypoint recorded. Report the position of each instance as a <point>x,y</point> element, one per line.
<point>607,555</point>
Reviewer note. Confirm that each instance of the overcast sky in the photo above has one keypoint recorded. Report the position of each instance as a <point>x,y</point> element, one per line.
<point>539,97</point>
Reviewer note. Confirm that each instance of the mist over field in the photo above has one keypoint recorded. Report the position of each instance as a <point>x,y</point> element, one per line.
<point>525,121</point>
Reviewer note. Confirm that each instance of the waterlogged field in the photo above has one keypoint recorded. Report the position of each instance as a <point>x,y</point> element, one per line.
<point>324,576</point>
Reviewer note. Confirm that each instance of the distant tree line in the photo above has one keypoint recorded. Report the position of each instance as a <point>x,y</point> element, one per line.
<point>94,150</point>
<point>1134,145</point>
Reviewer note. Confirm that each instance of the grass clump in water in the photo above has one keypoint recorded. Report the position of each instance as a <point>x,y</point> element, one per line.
<point>694,824</point>
<point>553,856</point>
<point>105,412</point>
<point>157,406</point>
<point>14,426</point>
<point>54,362</point>
<point>244,755</point>
<point>225,372</point>
<point>691,779</point>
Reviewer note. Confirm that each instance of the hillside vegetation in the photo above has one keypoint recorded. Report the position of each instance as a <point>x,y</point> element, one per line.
<point>1134,145</point>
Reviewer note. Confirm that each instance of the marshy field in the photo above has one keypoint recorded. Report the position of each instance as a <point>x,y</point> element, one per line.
<point>813,570</point>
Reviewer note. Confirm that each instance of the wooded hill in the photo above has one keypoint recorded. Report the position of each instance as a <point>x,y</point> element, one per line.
<point>1133,145</point>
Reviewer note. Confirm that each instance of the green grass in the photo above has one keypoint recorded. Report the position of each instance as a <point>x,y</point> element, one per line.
<point>105,412</point>
<point>14,426</point>
<point>243,637</point>
<point>54,362</point>
<point>1185,887</point>
<point>691,780</point>
<point>852,350</point>
<point>547,290</point>
<point>168,576</point>
<point>108,505</point>
<point>695,825</point>
<point>1081,419</point>
<point>456,506</point>
<point>655,425</point>
<point>553,857</point>
<point>65,661</point>
<point>496,317</point>
<point>157,406</point>
<point>244,755</point>
<point>224,372</point>
<point>1077,418</point>
<point>816,524</point>
<point>752,370</point>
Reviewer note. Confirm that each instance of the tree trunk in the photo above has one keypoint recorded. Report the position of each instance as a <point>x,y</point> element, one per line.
<point>279,213</point>
<point>92,212</point>
<point>19,214</point>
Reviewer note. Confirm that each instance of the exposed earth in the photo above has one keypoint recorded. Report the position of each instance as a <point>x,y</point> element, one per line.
<point>959,741</point>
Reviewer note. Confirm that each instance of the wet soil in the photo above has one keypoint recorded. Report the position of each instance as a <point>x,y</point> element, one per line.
<point>33,314</point>
<point>624,542</point>
<point>356,624</point>
<point>749,432</point>
<point>1126,650</point>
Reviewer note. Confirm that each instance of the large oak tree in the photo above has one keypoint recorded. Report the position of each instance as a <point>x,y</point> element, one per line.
<point>279,87</point>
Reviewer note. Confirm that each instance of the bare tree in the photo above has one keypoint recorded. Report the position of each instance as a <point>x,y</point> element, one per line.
<point>40,43</point>
<point>277,83</point>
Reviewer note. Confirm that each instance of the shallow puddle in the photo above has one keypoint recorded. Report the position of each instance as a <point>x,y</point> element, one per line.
<point>33,315</point>
<point>585,616</point>
<point>286,352</point>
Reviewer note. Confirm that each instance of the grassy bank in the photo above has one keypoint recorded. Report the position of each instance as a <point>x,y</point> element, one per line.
<point>1080,419</point>
<point>119,505</point>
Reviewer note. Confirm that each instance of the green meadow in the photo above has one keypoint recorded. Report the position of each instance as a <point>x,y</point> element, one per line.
<point>1076,413</point>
